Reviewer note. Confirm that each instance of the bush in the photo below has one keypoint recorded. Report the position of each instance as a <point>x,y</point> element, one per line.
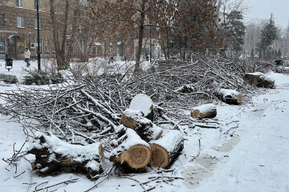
<point>42,78</point>
<point>8,79</point>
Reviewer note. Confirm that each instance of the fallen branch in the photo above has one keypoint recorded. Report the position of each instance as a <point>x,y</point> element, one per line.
<point>205,125</point>
<point>54,185</point>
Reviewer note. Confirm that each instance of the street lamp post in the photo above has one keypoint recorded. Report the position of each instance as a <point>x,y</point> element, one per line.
<point>29,34</point>
<point>150,45</point>
<point>38,36</point>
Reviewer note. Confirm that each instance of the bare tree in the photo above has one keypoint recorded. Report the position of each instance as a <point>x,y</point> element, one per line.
<point>66,27</point>
<point>124,16</point>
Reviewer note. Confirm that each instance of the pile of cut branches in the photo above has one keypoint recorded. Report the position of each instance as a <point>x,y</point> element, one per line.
<point>88,110</point>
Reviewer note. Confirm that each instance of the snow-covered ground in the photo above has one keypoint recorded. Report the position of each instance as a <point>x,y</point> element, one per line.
<point>249,151</point>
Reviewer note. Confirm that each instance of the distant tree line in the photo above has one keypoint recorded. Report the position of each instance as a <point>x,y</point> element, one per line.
<point>181,28</point>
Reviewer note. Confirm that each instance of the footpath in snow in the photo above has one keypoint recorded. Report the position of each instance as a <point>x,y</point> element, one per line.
<point>259,161</point>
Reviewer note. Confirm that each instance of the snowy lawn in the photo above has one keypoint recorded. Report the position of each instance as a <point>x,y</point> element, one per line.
<point>247,152</point>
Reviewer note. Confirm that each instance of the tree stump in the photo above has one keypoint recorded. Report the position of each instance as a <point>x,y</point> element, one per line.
<point>143,103</point>
<point>259,79</point>
<point>144,127</point>
<point>204,111</point>
<point>54,155</point>
<point>229,96</point>
<point>133,151</point>
<point>166,149</point>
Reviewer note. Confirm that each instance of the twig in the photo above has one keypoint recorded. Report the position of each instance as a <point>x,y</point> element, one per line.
<point>198,152</point>
<point>202,125</point>
<point>135,181</point>
<point>105,177</point>
<point>236,127</point>
<point>35,189</point>
<point>151,188</point>
<point>64,182</point>
<point>19,174</point>
<point>15,154</point>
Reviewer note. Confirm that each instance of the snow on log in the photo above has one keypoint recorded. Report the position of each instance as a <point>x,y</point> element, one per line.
<point>166,149</point>
<point>204,111</point>
<point>54,155</point>
<point>259,79</point>
<point>133,151</point>
<point>143,103</point>
<point>144,127</point>
<point>229,96</point>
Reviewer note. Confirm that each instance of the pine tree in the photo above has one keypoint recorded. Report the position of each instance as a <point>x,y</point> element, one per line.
<point>196,26</point>
<point>234,31</point>
<point>268,35</point>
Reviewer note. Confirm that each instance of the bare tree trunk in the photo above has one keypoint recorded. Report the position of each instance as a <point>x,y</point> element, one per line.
<point>59,50</point>
<point>140,39</point>
<point>167,56</point>
<point>64,38</point>
<point>74,29</point>
<point>55,33</point>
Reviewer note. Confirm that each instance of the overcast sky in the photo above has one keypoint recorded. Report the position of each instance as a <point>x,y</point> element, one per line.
<point>262,9</point>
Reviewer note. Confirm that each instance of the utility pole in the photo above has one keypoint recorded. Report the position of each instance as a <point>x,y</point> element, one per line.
<point>38,37</point>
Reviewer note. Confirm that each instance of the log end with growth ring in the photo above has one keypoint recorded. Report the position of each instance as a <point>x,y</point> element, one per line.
<point>128,122</point>
<point>137,156</point>
<point>160,156</point>
<point>239,98</point>
<point>195,113</point>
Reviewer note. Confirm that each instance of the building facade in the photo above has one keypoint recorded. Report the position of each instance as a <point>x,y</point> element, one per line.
<point>18,29</point>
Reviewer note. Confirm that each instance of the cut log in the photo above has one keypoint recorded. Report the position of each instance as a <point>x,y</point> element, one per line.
<point>54,155</point>
<point>166,149</point>
<point>143,103</point>
<point>229,96</point>
<point>259,79</point>
<point>144,127</point>
<point>204,111</point>
<point>133,151</point>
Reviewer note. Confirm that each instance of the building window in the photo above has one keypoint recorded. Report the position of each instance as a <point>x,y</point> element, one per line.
<point>67,44</point>
<point>46,46</point>
<point>20,22</point>
<point>35,4</point>
<point>35,23</point>
<point>103,50</point>
<point>40,42</point>
<point>94,51</point>
<point>20,46</point>
<point>1,2</point>
<point>52,48</point>
<point>19,3</point>
<point>2,44</point>
<point>2,20</point>
<point>82,47</point>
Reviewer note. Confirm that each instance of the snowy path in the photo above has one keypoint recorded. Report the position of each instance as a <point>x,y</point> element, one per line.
<point>260,161</point>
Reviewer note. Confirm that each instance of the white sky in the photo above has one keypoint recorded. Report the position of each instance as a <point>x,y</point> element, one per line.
<point>262,9</point>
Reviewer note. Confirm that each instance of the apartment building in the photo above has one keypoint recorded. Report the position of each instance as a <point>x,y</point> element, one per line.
<point>18,28</point>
